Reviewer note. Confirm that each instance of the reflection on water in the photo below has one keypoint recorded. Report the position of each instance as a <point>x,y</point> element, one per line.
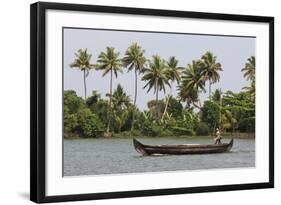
<point>112,156</point>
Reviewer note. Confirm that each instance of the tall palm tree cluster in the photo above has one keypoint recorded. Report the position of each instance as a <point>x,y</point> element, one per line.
<point>195,77</point>
<point>157,73</point>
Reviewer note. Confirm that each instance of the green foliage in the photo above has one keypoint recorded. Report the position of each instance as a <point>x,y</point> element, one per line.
<point>250,74</point>
<point>70,121</point>
<point>192,84</point>
<point>251,90</point>
<point>78,118</point>
<point>96,116</point>
<point>175,107</point>
<point>93,98</point>
<point>178,131</point>
<point>128,123</point>
<point>167,122</point>
<point>119,120</point>
<point>72,104</point>
<point>109,62</point>
<point>202,129</point>
<point>89,125</point>
<point>173,70</point>
<point>189,120</point>
<point>146,124</point>
<point>156,107</point>
<point>156,77</point>
<point>155,130</point>
<point>72,101</point>
<point>211,67</point>
<point>250,69</point>
<point>100,108</point>
<point>195,76</point>
<point>241,107</point>
<point>216,97</point>
<point>210,114</point>
<point>120,100</point>
<point>82,62</point>
<point>121,106</point>
<point>134,58</point>
<point>174,74</point>
<point>168,126</point>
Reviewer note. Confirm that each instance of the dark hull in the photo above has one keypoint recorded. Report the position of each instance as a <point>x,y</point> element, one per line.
<point>182,149</point>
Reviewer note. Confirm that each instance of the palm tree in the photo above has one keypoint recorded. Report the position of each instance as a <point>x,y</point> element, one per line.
<point>93,99</point>
<point>249,69</point>
<point>82,62</point>
<point>110,63</point>
<point>251,90</point>
<point>120,119</point>
<point>120,100</point>
<point>134,59</point>
<point>173,72</point>
<point>250,74</point>
<point>190,97</point>
<point>216,97</point>
<point>228,120</point>
<point>211,69</point>
<point>192,83</point>
<point>156,77</point>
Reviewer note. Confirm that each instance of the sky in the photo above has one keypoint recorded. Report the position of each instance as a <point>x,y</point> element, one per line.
<point>232,52</point>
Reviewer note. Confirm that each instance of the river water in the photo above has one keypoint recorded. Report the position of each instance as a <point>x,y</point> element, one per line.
<point>113,156</point>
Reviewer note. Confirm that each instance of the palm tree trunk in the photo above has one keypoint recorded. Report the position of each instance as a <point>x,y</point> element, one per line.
<point>210,89</point>
<point>135,100</point>
<point>109,109</point>
<point>168,99</point>
<point>157,105</point>
<point>220,125</point>
<point>85,89</point>
<point>136,87</point>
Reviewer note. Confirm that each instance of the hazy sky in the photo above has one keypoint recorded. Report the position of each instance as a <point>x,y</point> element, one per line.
<point>231,52</point>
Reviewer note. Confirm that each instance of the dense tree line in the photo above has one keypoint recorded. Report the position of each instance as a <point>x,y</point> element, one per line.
<point>183,114</point>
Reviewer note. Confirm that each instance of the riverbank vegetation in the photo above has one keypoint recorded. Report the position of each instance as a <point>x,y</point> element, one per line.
<point>117,114</point>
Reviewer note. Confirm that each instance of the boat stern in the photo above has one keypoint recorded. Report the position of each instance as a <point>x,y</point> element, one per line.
<point>230,144</point>
<point>139,147</point>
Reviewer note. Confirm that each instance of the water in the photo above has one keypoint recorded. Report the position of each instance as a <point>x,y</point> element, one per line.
<point>112,156</point>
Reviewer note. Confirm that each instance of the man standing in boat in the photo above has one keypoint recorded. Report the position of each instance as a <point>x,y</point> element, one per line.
<point>218,137</point>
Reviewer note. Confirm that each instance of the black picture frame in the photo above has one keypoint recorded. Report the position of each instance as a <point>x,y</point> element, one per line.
<point>38,101</point>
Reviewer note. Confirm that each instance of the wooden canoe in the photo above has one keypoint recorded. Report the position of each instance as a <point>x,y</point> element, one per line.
<point>182,148</point>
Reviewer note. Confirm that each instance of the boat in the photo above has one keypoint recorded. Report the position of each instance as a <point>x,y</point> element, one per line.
<point>182,148</point>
